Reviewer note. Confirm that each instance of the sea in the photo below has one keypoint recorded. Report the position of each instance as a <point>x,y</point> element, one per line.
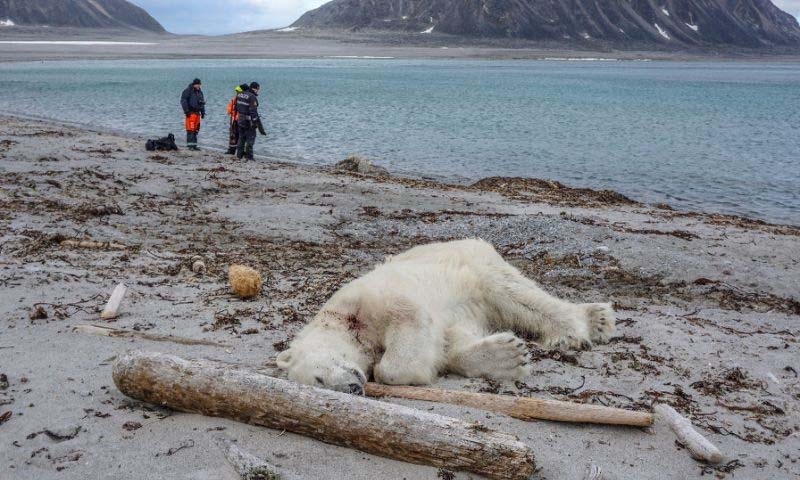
<point>702,136</point>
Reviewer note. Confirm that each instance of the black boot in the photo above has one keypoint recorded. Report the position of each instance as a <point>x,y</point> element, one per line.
<point>191,140</point>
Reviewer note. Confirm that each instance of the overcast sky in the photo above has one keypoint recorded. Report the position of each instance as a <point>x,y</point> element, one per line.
<point>213,17</point>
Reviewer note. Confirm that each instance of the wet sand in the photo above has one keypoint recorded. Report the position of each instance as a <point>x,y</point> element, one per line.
<point>707,306</point>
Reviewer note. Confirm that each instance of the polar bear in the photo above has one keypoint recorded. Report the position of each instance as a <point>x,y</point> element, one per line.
<point>446,307</point>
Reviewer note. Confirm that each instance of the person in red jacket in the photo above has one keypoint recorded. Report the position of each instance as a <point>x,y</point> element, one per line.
<point>233,124</point>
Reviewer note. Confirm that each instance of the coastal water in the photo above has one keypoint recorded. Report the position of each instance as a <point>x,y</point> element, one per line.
<point>721,137</point>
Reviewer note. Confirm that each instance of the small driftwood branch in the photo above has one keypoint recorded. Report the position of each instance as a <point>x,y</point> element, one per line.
<point>523,408</point>
<point>104,331</point>
<point>247,465</point>
<point>699,447</point>
<point>93,244</point>
<point>393,431</point>
<point>112,307</point>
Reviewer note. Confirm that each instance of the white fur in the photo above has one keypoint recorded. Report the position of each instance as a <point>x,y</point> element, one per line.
<point>437,308</point>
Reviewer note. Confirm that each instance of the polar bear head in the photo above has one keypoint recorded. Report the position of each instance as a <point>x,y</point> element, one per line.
<point>326,360</point>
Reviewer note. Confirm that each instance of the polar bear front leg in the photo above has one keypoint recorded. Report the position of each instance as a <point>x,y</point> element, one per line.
<point>501,356</point>
<point>414,352</point>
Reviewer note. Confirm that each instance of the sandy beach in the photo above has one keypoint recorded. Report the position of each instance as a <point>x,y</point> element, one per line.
<point>707,308</point>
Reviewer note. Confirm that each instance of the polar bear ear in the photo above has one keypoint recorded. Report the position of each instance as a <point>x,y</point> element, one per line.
<point>284,359</point>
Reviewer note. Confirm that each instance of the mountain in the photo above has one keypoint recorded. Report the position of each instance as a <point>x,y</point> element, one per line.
<point>78,13</point>
<point>743,23</point>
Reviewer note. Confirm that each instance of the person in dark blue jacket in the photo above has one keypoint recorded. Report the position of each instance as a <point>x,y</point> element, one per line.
<point>249,121</point>
<point>194,107</point>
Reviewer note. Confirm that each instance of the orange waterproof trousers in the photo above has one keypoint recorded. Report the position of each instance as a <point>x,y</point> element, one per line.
<point>193,123</point>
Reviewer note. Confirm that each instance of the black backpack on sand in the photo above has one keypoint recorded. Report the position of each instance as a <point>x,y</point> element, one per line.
<point>164,143</point>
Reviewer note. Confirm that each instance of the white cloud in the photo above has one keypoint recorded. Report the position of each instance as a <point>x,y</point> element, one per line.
<point>212,17</point>
<point>790,6</point>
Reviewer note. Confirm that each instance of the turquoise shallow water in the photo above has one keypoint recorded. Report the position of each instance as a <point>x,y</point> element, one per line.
<point>717,137</point>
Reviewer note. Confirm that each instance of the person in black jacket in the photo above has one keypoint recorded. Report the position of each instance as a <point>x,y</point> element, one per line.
<point>249,121</point>
<point>194,107</point>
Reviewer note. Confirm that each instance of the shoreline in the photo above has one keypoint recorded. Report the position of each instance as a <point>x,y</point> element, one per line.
<point>707,307</point>
<point>444,181</point>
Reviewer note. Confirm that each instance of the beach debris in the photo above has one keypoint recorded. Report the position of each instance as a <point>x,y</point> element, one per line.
<point>173,450</point>
<point>100,210</point>
<point>131,426</point>
<point>4,417</point>
<point>3,381</point>
<point>198,265</point>
<point>92,244</point>
<point>523,408</point>
<point>698,446</point>
<point>245,281</point>
<point>112,307</point>
<point>104,331</point>
<point>593,472</point>
<point>356,164</point>
<point>394,431</point>
<point>61,434</point>
<point>247,465</point>
<point>538,190</point>
<point>37,313</point>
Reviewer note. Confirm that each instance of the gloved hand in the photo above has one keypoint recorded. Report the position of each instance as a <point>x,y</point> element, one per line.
<point>203,114</point>
<point>260,127</point>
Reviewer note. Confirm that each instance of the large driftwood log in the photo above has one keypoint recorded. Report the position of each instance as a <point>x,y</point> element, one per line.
<point>218,389</point>
<point>522,408</point>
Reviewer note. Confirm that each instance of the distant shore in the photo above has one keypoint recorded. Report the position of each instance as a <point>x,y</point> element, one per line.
<point>315,44</point>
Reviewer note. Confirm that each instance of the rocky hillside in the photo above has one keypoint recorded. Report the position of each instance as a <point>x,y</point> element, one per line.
<point>744,23</point>
<point>77,13</point>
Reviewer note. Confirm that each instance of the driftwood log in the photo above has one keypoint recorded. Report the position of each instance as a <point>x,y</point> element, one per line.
<point>247,465</point>
<point>112,307</point>
<point>699,447</point>
<point>393,431</point>
<point>92,244</point>
<point>523,408</point>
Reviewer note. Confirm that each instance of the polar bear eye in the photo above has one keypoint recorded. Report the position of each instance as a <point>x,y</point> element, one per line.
<point>318,379</point>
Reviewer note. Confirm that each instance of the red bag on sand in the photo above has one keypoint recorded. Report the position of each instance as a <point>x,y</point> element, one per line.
<point>193,122</point>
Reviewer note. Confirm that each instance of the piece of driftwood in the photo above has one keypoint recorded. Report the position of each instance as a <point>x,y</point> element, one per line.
<point>523,408</point>
<point>120,333</point>
<point>699,447</point>
<point>393,431</point>
<point>247,465</point>
<point>112,307</point>
<point>92,244</point>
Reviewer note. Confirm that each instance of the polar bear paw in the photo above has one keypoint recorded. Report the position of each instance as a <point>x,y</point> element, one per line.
<point>602,321</point>
<point>502,356</point>
<point>592,323</point>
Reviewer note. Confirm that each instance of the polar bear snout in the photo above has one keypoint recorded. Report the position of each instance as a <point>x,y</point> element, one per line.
<point>318,369</point>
